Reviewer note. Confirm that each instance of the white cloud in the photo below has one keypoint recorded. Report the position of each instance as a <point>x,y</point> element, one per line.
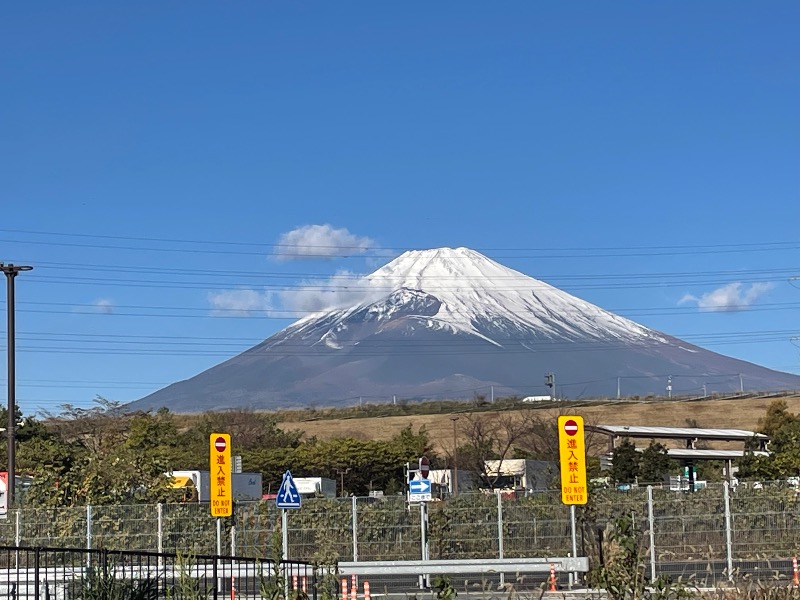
<point>103,305</point>
<point>344,288</point>
<point>243,302</point>
<point>729,298</point>
<point>320,242</point>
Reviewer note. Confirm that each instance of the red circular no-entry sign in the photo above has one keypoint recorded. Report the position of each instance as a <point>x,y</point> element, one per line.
<point>570,427</point>
<point>220,444</point>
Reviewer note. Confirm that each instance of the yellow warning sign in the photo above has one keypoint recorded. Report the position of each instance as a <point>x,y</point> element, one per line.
<point>572,450</point>
<point>220,475</point>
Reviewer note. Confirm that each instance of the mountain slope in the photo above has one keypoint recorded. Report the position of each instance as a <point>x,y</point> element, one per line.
<point>452,323</point>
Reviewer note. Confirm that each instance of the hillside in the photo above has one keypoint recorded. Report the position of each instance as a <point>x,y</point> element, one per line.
<point>740,413</point>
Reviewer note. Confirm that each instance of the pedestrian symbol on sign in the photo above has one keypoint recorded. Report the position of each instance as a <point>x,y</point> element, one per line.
<point>288,496</point>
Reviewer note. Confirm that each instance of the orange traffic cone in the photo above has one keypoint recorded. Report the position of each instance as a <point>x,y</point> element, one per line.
<point>552,577</point>
<point>795,578</point>
<point>344,588</point>
<point>353,588</point>
<point>366,590</point>
<point>233,587</point>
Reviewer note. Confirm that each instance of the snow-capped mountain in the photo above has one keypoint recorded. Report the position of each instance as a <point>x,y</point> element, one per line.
<point>453,323</point>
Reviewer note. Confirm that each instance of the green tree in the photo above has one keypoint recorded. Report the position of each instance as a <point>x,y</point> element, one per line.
<point>654,463</point>
<point>783,428</point>
<point>625,462</point>
<point>90,457</point>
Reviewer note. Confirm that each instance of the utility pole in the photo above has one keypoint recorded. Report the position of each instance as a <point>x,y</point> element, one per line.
<point>618,388</point>
<point>741,384</point>
<point>342,473</point>
<point>11,271</point>
<point>669,386</point>
<point>455,456</point>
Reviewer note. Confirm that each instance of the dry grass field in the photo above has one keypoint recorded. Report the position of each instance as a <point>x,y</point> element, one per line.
<point>732,414</point>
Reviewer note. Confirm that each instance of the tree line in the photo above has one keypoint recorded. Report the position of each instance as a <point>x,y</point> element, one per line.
<point>105,455</point>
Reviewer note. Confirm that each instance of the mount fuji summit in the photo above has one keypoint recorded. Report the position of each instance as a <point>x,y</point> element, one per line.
<point>452,324</point>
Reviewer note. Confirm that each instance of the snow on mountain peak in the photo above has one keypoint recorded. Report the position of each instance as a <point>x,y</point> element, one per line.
<point>462,291</point>
<point>476,292</point>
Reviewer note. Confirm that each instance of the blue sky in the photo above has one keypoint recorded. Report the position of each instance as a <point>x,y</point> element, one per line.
<point>643,156</point>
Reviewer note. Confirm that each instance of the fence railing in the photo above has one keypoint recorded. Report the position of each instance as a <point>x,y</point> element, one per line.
<point>64,573</point>
<point>726,528</point>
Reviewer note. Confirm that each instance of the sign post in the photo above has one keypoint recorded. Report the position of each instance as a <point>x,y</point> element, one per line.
<point>220,475</point>
<point>572,452</point>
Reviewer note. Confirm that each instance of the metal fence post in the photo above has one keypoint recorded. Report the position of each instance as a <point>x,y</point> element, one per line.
<point>160,521</point>
<point>233,540</point>
<point>652,527</point>
<point>36,573</point>
<point>216,579</point>
<point>355,529</point>
<point>728,529</point>
<point>88,534</point>
<point>18,528</point>
<point>500,549</point>
<point>88,526</point>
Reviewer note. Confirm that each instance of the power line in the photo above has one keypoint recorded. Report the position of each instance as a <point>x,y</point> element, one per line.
<point>793,244</point>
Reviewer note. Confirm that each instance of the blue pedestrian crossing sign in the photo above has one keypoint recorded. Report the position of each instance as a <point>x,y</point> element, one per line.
<point>288,496</point>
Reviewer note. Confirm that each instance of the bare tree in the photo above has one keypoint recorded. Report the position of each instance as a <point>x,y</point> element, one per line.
<point>490,437</point>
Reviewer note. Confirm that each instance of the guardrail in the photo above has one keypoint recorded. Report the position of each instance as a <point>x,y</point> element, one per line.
<point>474,566</point>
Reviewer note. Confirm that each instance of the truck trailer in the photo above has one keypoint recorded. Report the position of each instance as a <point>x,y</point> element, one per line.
<point>197,485</point>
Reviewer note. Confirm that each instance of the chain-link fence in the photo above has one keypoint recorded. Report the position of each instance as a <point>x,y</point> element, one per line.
<point>719,528</point>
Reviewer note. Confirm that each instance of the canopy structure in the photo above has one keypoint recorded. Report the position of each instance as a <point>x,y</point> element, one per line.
<point>688,436</point>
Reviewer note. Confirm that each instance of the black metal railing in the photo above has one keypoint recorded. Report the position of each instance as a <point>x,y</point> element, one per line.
<point>70,573</point>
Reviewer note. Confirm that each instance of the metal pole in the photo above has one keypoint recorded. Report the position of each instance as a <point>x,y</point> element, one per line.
<point>160,519</point>
<point>88,533</point>
<point>233,540</point>
<point>455,457</point>
<point>219,536</point>
<point>11,271</point>
<point>618,389</point>
<point>651,519</point>
<point>423,536</point>
<point>728,529</point>
<point>500,548</point>
<point>160,534</point>
<point>355,529</point>
<point>18,530</point>
<point>285,534</point>
<point>573,576</point>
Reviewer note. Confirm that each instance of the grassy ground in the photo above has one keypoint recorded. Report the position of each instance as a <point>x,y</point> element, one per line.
<point>729,414</point>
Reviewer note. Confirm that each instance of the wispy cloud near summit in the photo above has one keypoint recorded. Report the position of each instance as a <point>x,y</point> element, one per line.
<point>320,242</point>
<point>728,298</point>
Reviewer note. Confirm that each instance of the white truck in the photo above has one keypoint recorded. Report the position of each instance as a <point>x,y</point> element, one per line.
<point>520,475</point>
<point>309,487</point>
<point>197,485</point>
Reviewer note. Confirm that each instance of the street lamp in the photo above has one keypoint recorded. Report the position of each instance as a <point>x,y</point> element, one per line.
<point>11,271</point>
<point>455,457</point>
